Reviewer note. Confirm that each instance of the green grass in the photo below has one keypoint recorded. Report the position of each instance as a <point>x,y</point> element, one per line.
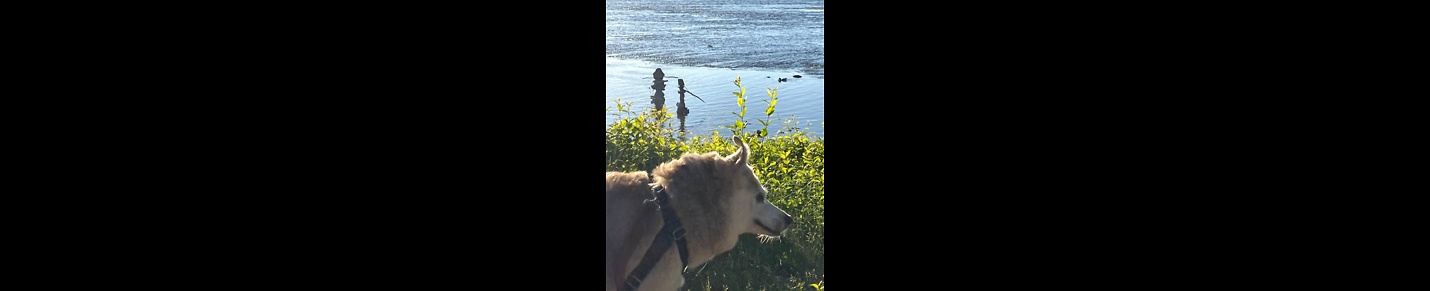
<point>790,163</point>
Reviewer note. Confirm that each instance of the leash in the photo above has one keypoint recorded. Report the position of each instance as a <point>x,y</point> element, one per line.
<point>672,232</point>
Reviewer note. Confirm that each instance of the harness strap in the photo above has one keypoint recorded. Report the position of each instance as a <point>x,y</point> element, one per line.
<point>672,232</point>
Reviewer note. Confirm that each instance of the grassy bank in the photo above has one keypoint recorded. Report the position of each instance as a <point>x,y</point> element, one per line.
<point>790,163</point>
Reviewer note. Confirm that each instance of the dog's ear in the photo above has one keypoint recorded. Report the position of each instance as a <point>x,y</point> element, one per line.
<point>741,155</point>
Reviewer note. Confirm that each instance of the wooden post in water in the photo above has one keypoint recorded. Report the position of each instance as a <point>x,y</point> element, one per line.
<point>679,106</point>
<point>680,110</point>
<point>658,97</point>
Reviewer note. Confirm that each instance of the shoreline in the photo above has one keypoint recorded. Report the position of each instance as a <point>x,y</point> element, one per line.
<point>801,98</point>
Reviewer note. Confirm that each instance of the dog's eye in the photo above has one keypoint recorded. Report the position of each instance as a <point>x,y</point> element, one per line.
<point>760,198</point>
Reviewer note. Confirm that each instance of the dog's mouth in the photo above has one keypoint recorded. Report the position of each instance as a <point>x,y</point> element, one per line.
<point>771,231</point>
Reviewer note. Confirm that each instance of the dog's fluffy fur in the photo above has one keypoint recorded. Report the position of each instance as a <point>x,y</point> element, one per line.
<point>716,198</point>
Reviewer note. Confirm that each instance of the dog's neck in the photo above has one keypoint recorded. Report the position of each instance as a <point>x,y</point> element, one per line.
<point>699,238</point>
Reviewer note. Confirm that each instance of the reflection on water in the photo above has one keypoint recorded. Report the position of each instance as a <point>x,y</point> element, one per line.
<point>657,97</point>
<point>801,99</point>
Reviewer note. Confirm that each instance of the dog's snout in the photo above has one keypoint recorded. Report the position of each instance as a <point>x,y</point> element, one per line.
<point>788,219</point>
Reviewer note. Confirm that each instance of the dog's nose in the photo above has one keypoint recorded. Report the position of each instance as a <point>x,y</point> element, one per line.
<point>788,219</point>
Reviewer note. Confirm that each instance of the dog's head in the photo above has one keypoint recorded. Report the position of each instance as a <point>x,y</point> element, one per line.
<point>750,198</point>
<point>719,198</point>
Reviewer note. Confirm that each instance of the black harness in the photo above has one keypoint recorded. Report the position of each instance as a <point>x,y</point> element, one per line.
<point>672,232</point>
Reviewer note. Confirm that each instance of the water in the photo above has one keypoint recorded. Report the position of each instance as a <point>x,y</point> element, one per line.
<point>708,44</point>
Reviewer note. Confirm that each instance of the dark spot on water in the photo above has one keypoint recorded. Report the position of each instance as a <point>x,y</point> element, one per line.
<point>798,76</point>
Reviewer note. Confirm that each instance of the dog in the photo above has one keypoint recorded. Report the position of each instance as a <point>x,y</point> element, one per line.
<point>716,199</point>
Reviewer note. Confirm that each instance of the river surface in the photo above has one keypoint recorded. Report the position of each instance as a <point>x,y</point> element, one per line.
<point>710,43</point>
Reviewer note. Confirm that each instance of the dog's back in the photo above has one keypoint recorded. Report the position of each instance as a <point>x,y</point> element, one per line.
<point>629,225</point>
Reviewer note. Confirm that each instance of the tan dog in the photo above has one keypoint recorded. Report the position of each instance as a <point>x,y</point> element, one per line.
<point>716,199</point>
